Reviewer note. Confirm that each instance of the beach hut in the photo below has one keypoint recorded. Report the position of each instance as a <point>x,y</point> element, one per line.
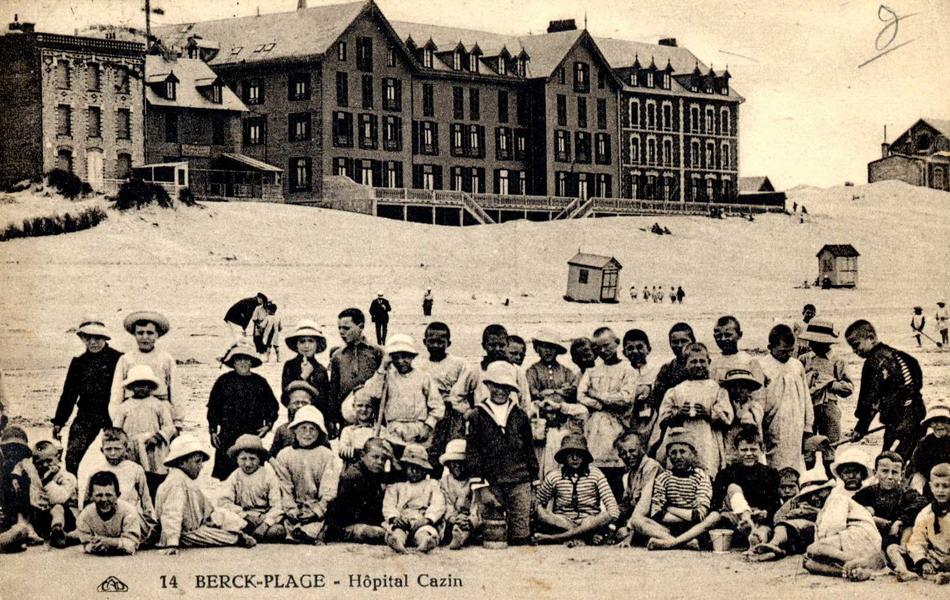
<point>592,278</point>
<point>838,266</point>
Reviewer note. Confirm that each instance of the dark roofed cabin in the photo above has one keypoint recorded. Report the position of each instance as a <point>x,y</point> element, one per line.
<point>838,266</point>
<point>592,278</point>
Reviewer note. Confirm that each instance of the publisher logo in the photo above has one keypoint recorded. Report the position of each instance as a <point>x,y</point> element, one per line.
<point>112,584</point>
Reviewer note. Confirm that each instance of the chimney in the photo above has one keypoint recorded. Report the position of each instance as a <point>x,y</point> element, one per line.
<point>301,4</point>
<point>671,42</point>
<point>885,150</point>
<point>562,25</point>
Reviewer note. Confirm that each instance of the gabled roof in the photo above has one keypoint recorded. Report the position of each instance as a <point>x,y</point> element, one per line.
<point>593,261</point>
<point>191,73</point>
<point>252,162</point>
<point>751,185</point>
<point>941,125</point>
<point>622,53</point>
<point>839,250</point>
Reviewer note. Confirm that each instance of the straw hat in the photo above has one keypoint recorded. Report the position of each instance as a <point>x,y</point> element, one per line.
<point>501,373</point>
<point>821,331</point>
<point>141,373</point>
<point>309,414</point>
<point>575,443</point>
<point>161,323</point>
<point>379,294</point>
<point>401,343</point>
<point>679,435</point>
<point>182,446</point>
<point>415,454</point>
<point>852,456</point>
<point>306,328</point>
<point>14,435</point>
<point>547,336</point>
<point>813,481</point>
<point>93,327</point>
<point>248,443</point>
<point>241,349</point>
<point>936,411</point>
<point>743,376</point>
<point>454,450</point>
<point>300,384</point>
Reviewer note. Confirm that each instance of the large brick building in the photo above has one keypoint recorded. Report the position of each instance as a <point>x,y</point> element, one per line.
<point>920,156</point>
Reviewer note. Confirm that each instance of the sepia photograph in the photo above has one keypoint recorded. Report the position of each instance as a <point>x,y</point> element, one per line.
<point>474,298</point>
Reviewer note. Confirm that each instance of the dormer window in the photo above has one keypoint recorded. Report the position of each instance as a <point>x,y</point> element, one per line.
<point>649,79</point>
<point>171,89</point>
<point>216,93</point>
<point>502,66</point>
<point>633,79</point>
<point>665,81</point>
<point>473,63</point>
<point>427,58</point>
<point>724,90</point>
<point>523,66</point>
<point>457,61</point>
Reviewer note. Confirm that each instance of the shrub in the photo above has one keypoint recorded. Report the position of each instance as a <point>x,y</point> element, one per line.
<point>66,183</point>
<point>40,226</point>
<point>186,196</point>
<point>136,193</point>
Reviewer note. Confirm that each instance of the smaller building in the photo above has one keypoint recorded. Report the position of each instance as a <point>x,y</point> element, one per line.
<point>920,156</point>
<point>592,278</point>
<point>837,266</point>
<point>759,191</point>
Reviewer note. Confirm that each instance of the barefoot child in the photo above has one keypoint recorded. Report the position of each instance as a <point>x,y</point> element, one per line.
<point>445,370</point>
<point>252,491</point>
<point>789,413</point>
<point>57,519</point>
<point>133,484</point>
<point>413,510</point>
<point>827,377</point>
<point>929,543</point>
<point>461,516</point>
<point>638,483</point>
<point>297,395</point>
<point>794,528</point>
<point>16,480</point>
<point>356,513</point>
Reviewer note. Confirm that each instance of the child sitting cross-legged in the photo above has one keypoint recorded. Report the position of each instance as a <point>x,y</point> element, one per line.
<point>252,491</point>
<point>108,525</point>
<point>794,522</point>
<point>928,547</point>
<point>582,504</point>
<point>461,514</point>
<point>55,519</point>
<point>638,483</point>
<point>414,509</point>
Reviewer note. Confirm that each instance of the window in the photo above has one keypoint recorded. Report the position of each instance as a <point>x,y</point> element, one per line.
<point>171,127</point>
<point>217,130</point>
<point>64,160</point>
<point>341,51</point>
<point>694,154</point>
<point>582,276</point>
<point>634,81</point>
<point>502,106</point>
<point>458,104</point>
<point>501,182</point>
<point>300,174</point>
<point>560,184</point>
<point>473,63</point>
<point>583,186</point>
<point>710,121</point>
<point>367,89</point>
<point>254,131</point>
<point>694,119</point>
<point>581,77</point>
<point>391,62</point>
<point>94,79</point>
<point>298,127</point>
<point>298,86</point>
<point>502,65</point>
<point>476,141</point>
<point>710,190</point>
<point>710,155</point>
<point>123,166</point>
<point>522,108</point>
<point>651,151</point>
<point>368,134</point>
<point>503,143</point>
<point>428,100</point>
<point>474,105</point>
<point>94,122</point>
<point>523,66</point>
<point>724,122</point>
<point>582,112</point>
<point>214,94</point>
<point>392,94</point>
<point>665,81</point>
<point>253,92</point>
<point>724,88</point>
<point>427,177</point>
<point>171,89</point>
<point>458,140</point>
<point>651,115</point>
<point>522,183</point>
<point>124,79</point>
<point>429,138</point>
<point>364,54</point>
<point>601,113</point>
<point>602,148</point>
<point>635,185</point>
<point>458,180</point>
<point>668,152</point>
<point>64,118</point>
<point>649,79</point>
<point>365,174</point>
<point>123,124</point>
<point>427,58</point>
<point>582,147</point>
<point>457,60</point>
<point>343,130</point>
<point>601,79</point>
<point>393,174</point>
<point>604,189</point>
<point>392,133</point>
<point>635,150</point>
<point>342,89</point>
<point>476,180</point>
<point>562,146</point>
<point>635,114</point>
<point>562,75</point>
<point>562,110</point>
<point>63,74</point>
<point>521,145</point>
<point>724,154</point>
<point>342,167</point>
<point>668,116</point>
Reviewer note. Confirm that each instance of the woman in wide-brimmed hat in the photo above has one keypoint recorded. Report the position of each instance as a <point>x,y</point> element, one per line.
<point>307,340</point>
<point>240,402</point>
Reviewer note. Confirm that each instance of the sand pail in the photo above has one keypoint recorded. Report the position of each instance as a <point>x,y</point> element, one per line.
<point>495,534</point>
<point>721,540</point>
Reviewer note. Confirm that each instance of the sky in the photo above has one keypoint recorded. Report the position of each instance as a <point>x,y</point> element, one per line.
<point>813,114</point>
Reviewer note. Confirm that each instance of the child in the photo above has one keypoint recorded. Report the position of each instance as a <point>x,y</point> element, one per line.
<point>186,515</point>
<point>932,450</point>
<point>354,436</point>
<point>57,519</point>
<point>252,491</point>
<point>500,454</point>
<point>794,528</point>
<point>788,485</point>
<point>356,514</point>
<point>851,469</point>
<point>917,323</point>
<point>700,406</point>
<point>309,474</point>
<point>108,525</point>
<point>646,294</point>
<point>582,505</point>
<point>516,350</point>
<point>942,319</point>
<point>741,386</point>
<point>16,477</point>
<point>929,543</point>
<point>827,378</point>
<point>554,390</point>
<point>271,335</point>
<point>638,483</point>
<point>297,395</point>
<point>672,373</point>
<point>680,508</point>
<point>413,509</point>
<point>789,413</point>
<point>727,334</point>
<point>815,447</point>
<point>148,422</point>
<point>240,402</point>
<point>636,347</point>
<point>461,514</point>
<point>746,492</point>
<point>445,370</point>
<point>132,480</point>
<point>307,341</point>
<point>801,344</point>
<point>582,355</point>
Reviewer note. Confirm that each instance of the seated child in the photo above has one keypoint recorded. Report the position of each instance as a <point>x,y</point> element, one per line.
<point>356,514</point>
<point>252,491</point>
<point>461,514</point>
<point>827,377</point>
<point>741,386</point>
<point>297,395</point>
<point>354,436</point>
<point>818,446</point>
<point>682,496</point>
<point>148,423</point>
<point>847,543</point>
<point>309,474</point>
<point>15,483</point>
<point>582,505</point>
<point>638,483</point>
<point>789,413</point>
<point>929,543</point>
<point>56,521</point>
<point>746,492</point>
<point>787,485</point>
<point>851,469</point>
<point>413,510</point>
<point>932,450</point>
<point>186,515</point>
<point>108,525</point>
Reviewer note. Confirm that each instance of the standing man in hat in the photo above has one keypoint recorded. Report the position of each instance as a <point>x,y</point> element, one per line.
<point>147,326</point>
<point>827,378</point>
<point>379,312</point>
<point>88,384</point>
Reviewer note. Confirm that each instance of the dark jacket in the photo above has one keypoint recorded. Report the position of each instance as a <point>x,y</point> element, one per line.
<point>352,366</point>
<point>501,455</point>
<point>359,499</point>
<point>88,385</point>
<point>242,312</point>
<point>759,484</point>
<point>319,379</point>
<point>890,385</point>
<point>379,310</point>
<point>241,404</point>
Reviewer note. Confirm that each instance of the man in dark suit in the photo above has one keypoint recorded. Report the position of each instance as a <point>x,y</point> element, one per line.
<point>379,311</point>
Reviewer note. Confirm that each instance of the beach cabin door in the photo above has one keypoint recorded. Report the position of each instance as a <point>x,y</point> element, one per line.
<point>608,286</point>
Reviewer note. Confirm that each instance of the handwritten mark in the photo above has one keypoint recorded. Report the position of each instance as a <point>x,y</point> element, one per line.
<point>739,55</point>
<point>888,34</point>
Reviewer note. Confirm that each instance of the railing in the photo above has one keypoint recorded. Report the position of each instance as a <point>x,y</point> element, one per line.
<point>90,43</point>
<point>498,201</point>
<point>110,187</point>
<point>640,207</point>
<point>219,184</point>
<point>585,209</point>
<point>568,210</point>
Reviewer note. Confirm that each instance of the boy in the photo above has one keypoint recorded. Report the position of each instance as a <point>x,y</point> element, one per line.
<point>741,386</point>
<point>933,450</point>
<point>582,355</point>
<point>851,469</point>
<point>500,453</point>
<point>801,344</point>
<point>468,391</point>
<point>56,521</point>
<point>186,515</point>
<point>296,395</point>
<point>636,348</point>
<point>794,528</point>
<point>147,327</point>
<point>680,508</point>
<point>445,369</point>
<point>353,364</point>
<point>582,503</point>
<point>413,509</point>
<point>827,378</point>
<point>17,477</point>
<point>271,335</point>
<point>789,413</point>
<point>307,341</point>
<point>356,513</point>
<point>788,485</point>
<point>727,334</point>
<point>252,491</point>
<point>461,515</point>
<point>554,391</point>
<point>942,319</point>
<point>516,350</point>
<point>148,422</point>
<point>672,373</point>
<point>917,323</point>
<point>132,480</point>
<point>929,543</point>
<point>309,474</point>
<point>701,407</point>
<point>108,525</point>
<point>353,437</point>
<point>638,483</point>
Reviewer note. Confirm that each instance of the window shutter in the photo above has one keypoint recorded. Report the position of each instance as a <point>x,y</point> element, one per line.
<point>481,141</point>
<point>398,83</point>
<point>497,145</point>
<point>290,128</point>
<point>435,138</point>
<point>398,174</point>
<point>377,168</point>
<point>415,137</point>
<point>437,177</point>
<point>495,183</point>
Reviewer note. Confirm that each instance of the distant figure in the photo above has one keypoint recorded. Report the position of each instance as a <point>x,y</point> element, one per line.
<point>794,207</point>
<point>943,322</point>
<point>804,210</point>
<point>672,295</point>
<point>427,303</point>
<point>379,312</point>
<point>633,292</point>
<point>243,312</point>
<point>680,294</point>
<point>917,323</point>
<point>270,336</point>
<point>646,294</point>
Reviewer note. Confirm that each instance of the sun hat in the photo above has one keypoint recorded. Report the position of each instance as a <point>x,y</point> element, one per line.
<point>813,481</point>
<point>248,443</point>
<point>501,373</point>
<point>401,343</point>
<point>454,450</point>
<point>679,435</point>
<point>379,294</point>
<point>852,456</point>
<point>309,414</point>
<point>141,373</point>
<point>573,443</point>
<point>821,331</point>
<point>14,434</point>
<point>93,327</point>
<point>161,323</point>
<point>935,411</point>
<point>743,376</point>
<point>300,384</point>
<point>306,328</point>
<point>182,446</point>
<point>548,337</point>
<point>241,349</point>
<point>415,454</point>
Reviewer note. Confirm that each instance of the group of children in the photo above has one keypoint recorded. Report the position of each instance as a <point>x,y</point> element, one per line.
<point>418,453</point>
<point>656,294</point>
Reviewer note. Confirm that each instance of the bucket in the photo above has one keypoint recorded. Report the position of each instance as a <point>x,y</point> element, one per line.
<point>721,540</point>
<point>494,534</point>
